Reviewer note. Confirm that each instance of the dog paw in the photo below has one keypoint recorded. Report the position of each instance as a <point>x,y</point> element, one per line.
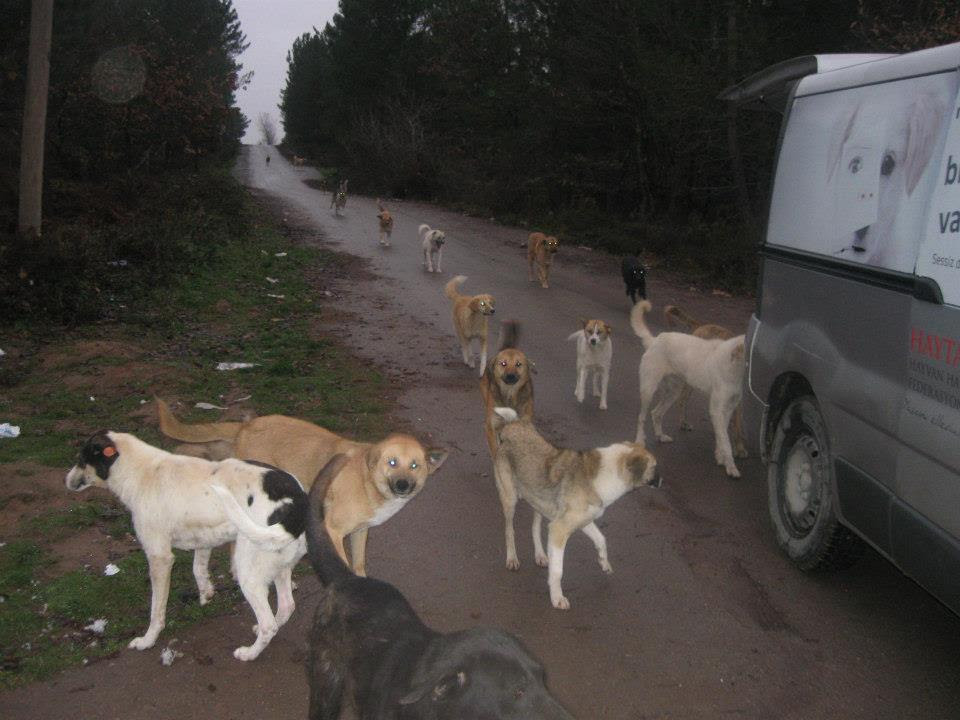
<point>541,560</point>
<point>141,643</point>
<point>207,595</point>
<point>578,397</point>
<point>664,438</point>
<point>606,566</point>
<point>741,452</point>
<point>603,406</point>
<point>245,653</point>
<point>561,603</point>
<point>513,563</point>
<point>732,471</point>
<point>685,426</point>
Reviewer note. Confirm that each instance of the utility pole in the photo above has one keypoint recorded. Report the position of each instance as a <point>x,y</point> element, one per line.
<point>35,117</point>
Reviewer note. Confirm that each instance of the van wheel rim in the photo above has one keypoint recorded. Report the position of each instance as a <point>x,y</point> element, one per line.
<point>800,497</point>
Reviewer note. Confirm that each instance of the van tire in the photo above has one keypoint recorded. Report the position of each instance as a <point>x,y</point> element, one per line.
<point>800,493</point>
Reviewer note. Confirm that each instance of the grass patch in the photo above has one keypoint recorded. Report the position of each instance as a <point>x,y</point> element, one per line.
<point>57,524</point>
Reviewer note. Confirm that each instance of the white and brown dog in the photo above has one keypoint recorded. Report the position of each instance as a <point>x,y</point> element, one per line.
<point>431,243</point>
<point>594,355</point>
<point>712,366</point>
<point>470,320</point>
<point>173,505</point>
<point>338,200</point>
<point>386,224</point>
<point>571,488</point>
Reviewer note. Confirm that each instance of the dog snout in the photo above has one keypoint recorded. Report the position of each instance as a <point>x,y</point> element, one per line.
<point>402,485</point>
<point>593,341</point>
<point>860,235</point>
<point>75,479</point>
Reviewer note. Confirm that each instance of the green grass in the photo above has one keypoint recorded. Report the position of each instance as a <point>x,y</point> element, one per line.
<point>55,525</point>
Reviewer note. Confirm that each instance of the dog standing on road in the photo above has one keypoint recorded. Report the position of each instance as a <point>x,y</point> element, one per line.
<point>506,382</point>
<point>386,224</point>
<point>571,488</point>
<point>431,243</point>
<point>594,355</point>
<point>540,251</point>
<point>338,200</point>
<point>634,277</point>
<point>714,367</point>
<point>370,651</point>
<point>470,320</point>
<point>172,506</point>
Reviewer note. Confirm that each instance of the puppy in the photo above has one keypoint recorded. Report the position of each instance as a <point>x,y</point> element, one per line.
<point>369,648</point>
<point>338,200</point>
<point>894,145</point>
<point>369,493</point>
<point>594,354</point>
<point>386,224</point>
<point>634,277</point>
<point>540,251</point>
<point>172,506</point>
<point>571,488</point>
<point>431,243</point>
<point>506,382</point>
<point>714,367</point>
<point>676,317</point>
<point>470,320</point>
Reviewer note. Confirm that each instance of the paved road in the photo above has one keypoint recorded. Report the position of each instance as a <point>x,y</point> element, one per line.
<point>703,617</point>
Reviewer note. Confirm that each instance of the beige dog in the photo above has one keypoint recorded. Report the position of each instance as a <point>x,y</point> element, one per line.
<point>386,224</point>
<point>506,382</point>
<point>571,488</point>
<point>297,160</point>
<point>470,320</point>
<point>540,251</point>
<point>594,355</point>
<point>367,493</point>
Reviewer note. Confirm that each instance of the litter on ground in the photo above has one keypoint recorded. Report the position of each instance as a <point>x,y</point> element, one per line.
<point>235,365</point>
<point>9,431</point>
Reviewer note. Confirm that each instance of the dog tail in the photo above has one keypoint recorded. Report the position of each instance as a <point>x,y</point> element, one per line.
<point>504,416</point>
<point>201,433</point>
<point>509,335</point>
<point>423,229</point>
<point>452,287</point>
<point>638,323</point>
<point>268,537</point>
<point>675,316</point>
<point>323,555</point>
<point>574,335</point>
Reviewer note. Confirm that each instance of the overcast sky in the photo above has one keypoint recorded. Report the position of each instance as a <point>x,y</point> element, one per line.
<point>271,26</point>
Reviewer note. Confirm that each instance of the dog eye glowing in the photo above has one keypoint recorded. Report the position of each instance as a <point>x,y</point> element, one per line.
<point>413,465</point>
<point>503,363</point>
<point>888,164</point>
<point>855,165</point>
<point>392,462</point>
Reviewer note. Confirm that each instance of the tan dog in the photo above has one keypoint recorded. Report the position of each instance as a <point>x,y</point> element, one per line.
<point>386,224</point>
<point>571,488</point>
<point>366,495</point>
<point>677,317</point>
<point>470,320</point>
<point>297,161</point>
<point>506,382</point>
<point>540,251</point>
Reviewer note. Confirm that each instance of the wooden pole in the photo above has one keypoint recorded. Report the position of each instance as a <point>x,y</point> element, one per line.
<point>35,118</point>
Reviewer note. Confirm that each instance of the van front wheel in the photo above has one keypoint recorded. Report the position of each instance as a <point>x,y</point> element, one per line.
<point>800,492</point>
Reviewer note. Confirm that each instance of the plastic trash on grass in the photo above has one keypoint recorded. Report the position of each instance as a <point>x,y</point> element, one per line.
<point>111,569</point>
<point>9,431</point>
<point>235,365</point>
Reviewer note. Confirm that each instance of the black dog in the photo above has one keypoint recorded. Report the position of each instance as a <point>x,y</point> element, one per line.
<point>635,278</point>
<point>268,159</point>
<point>366,638</point>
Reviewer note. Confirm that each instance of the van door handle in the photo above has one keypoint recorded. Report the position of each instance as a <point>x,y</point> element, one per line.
<point>928,290</point>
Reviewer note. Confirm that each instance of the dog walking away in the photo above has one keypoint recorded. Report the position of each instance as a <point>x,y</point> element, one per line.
<point>386,224</point>
<point>431,244</point>
<point>571,488</point>
<point>338,200</point>
<point>714,367</point>
<point>634,277</point>
<point>268,159</point>
<point>379,481</point>
<point>370,651</point>
<point>173,505</point>
<point>540,251</point>
<point>470,320</point>
<point>594,355</point>
<point>677,317</point>
<point>506,382</point>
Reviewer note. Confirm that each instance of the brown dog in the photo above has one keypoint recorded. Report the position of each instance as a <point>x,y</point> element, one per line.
<point>506,382</point>
<point>378,481</point>
<point>540,251</point>
<point>386,224</point>
<point>676,317</point>
<point>470,320</point>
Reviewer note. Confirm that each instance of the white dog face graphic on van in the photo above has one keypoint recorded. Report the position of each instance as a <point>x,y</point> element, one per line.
<point>878,154</point>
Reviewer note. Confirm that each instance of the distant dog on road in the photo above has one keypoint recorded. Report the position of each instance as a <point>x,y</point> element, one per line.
<point>370,651</point>
<point>268,159</point>
<point>594,355</point>
<point>540,251</point>
<point>338,201</point>
<point>470,320</point>
<point>297,160</point>
<point>172,506</point>
<point>386,224</point>
<point>571,488</point>
<point>634,277</point>
<point>431,243</point>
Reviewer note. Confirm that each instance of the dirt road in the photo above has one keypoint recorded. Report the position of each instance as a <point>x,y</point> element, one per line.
<point>703,618</point>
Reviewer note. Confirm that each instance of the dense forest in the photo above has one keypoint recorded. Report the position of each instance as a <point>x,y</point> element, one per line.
<point>586,116</point>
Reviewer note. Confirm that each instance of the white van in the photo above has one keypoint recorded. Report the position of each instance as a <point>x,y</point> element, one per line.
<point>852,388</point>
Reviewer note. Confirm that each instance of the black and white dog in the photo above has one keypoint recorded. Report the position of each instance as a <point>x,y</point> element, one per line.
<point>367,641</point>
<point>634,277</point>
<point>193,504</point>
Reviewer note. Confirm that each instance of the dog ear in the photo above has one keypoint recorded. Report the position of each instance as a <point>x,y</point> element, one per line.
<point>435,458</point>
<point>926,116</point>
<point>608,328</point>
<point>372,457</point>
<point>437,689</point>
<point>583,322</point>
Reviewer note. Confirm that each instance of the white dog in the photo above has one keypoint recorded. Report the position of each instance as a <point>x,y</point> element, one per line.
<point>883,149</point>
<point>714,367</point>
<point>431,241</point>
<point>594,354</point>
<point>169,497</point>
